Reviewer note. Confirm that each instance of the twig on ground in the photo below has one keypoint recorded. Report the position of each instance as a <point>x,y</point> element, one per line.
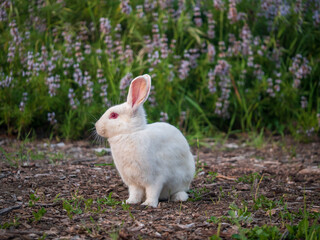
<point>9,209</point>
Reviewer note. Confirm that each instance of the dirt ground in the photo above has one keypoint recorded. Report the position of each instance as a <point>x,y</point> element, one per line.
<point>51,190</point>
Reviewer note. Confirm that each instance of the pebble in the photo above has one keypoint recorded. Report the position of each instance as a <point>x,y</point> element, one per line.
<point>231,145</point>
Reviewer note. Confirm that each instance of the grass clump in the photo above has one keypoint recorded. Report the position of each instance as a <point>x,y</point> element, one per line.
<point>215,65</point>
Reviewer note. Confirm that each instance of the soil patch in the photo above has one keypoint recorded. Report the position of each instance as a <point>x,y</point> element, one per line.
<point>71,191</point>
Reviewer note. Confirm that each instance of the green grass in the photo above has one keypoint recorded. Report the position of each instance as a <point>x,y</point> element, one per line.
<point>56,35</point>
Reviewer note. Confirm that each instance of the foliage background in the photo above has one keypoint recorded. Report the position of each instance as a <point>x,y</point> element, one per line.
<point>237,65</point>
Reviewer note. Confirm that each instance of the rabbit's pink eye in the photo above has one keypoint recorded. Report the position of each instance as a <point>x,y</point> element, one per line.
<point>113,115</point>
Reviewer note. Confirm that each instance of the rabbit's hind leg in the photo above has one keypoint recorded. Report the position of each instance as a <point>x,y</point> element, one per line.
<point>179,196</point>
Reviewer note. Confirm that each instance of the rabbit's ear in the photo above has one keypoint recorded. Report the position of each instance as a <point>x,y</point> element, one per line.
<point>139,91</point>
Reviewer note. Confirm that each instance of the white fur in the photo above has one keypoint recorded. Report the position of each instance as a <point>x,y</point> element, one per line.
<point>154,160</point>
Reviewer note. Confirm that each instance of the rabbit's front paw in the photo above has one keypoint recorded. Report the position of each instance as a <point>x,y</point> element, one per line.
<point>150,203</point>
<point>131,200</point>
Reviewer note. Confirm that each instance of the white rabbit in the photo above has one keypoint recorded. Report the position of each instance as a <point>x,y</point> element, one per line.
<point>154,160</point>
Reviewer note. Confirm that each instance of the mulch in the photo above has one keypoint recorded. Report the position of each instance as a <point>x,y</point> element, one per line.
<point>287,171</point>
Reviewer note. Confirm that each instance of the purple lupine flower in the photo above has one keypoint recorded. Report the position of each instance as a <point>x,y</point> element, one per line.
<point>193,54</point>
<point>148,44</point>
<point>151,98</point>
<point>78,52</point>
<point>87,50</point>
<point>164,47</point>
<point>52,118</point>
<point>105,25</point>
<point>77,75</point>
<point>109,46</point>
<point>125,7</point>
<point>88,93</point>
<point>155,16</point>
<point>5,81</point>
<point>92,27</point>
<point>211,25</point>
<point>222,70</point>
<point>149,6</point>
<point>14,32</point>
<point>72,99</point>
<point>53,83</point>
<point>163,117</point>
<point>310,131</point>
<point>23,101</point>
<point>140,12</point>
<point>197,16</point>
<point>218,4</point>
<point>183,116</point>
<point>124,83</point>
<point>86,78</point>
<point>99,74</point>
<point>258,71</point>
<point>300,69</point>
<point>232,13</point>
<point>155,35</point>
<point>104,86</point>
<point>128,54</point>
<point>184,69</point>
<point>83,33</point>
<point>67,42</point>
<point>171,75</point>
<point>211,52</point>
<point>222,48</point>
<point>154,58</point>
<point>278,82</point>
<point>316,18</point>
<point>181,8</point>
<point>284,9</point>
<point>211,83</point>
<point>270,89</point>
<point>43,60</point>
<point>3,12</point>
<point>11,52</point>
<point>234,48</point>
<point>67,63</point>
<point>246,37</point>
<point>304,102</point>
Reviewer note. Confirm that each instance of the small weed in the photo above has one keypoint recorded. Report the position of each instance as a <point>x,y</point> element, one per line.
<point>54,158</point>
<point>102,153</point>
<point>213,219</point>
<point>250,178</point>
<point>212,176</point>
<point>264,203</point>
<point>39,214</point>
<point>125,206</point>
<point>72,207</point>
<point>87,204</point>
<point>108,201</point>
<point>304,231</point>
<point>104,164</point>
<point>197,194</point>
<point>44,236</point>
<point>256,139</point>
<point>238,215</point>
<point>13,223</point>
<point>114,235</point>
<point>9,158</point>
<point>33,199</point>
<point>264,233</point>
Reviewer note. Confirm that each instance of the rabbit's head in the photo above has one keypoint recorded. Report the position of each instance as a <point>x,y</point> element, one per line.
<point>127,117</point>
